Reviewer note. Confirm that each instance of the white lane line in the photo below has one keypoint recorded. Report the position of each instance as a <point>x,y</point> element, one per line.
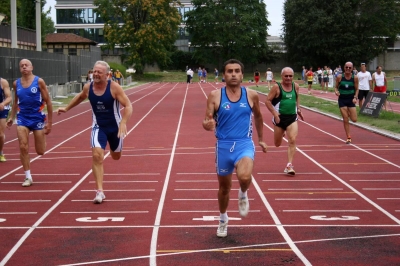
<point>279,225</point>
<point>378,180</point>
<point>116,200</point>
<point>135,173</point>
<point>120,190</point>
<point>131,181</point>
<point>40,182</point>
<point>39,174</point>
<point>27,191</point>
<point>381,188</point>
<point>18,201</point>
<point>39,156</point>
<point>199,199</point>
<point>18,212</point>
<point>200,189</point>
<point>367,173</point>
<point>107,212</point>
<point>306,189</point>
<point>154,236</point>
<point>211,211</point>
<point>315,199</point>
<point>196,173</point>
<point>196,181</point>
<point>388,198</point>
<point>395,219</point>
<point>291,180</point>
<point>297,173</point>
<point>326,210</point>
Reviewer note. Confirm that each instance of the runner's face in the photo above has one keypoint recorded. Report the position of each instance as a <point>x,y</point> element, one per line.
<point>287,76</point>
<point>25,67</point>
<point>99,73</point>
<point>348,68</point>
<point>233,74</point>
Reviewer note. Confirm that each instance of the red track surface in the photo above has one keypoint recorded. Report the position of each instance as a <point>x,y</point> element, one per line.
<point>341,208</point>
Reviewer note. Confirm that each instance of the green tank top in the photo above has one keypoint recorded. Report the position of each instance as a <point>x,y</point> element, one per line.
<point>285,104</point>
<point>346,87</point>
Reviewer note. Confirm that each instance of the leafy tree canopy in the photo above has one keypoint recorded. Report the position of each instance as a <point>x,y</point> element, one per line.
<point>147,29</point>
<point>224,29</point>
<point>334,32</point>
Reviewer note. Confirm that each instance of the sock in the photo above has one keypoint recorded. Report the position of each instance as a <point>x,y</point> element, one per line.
<point>242,194</point>
<point>1,152</point>
<point>223,216</point>
<point>28,174</point>
<point>288,164</point>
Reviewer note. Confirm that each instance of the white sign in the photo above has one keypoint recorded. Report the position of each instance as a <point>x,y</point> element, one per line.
<point>100,219</point>
<point>342,218</point>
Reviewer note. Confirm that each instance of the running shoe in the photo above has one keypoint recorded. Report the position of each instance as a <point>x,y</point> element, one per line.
<point>348,141</point>
<point>222,230</point>
<point>2,158</point>
<point>289,170</point>
<point>243,205</point>
<point>27,182</point>
<point>99,197</point>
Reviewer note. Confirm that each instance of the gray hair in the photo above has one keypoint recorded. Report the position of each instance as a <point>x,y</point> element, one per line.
<point>103,63</point>
<point>287,68</point>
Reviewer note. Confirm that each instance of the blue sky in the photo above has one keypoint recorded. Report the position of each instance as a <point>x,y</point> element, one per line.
<point>274,9</point>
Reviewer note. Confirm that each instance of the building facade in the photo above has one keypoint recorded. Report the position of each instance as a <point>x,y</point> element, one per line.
<point>79,17</point>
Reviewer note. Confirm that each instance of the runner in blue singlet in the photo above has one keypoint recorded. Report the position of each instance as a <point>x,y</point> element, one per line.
<point>31,96</point>
<point>108,125</point>
<point>5,100</point>
<point>229,113</point>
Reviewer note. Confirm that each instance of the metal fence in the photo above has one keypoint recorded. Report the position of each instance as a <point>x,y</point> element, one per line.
<point>52,68</point>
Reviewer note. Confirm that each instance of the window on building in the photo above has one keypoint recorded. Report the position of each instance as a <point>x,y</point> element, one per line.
<point>58,50</point>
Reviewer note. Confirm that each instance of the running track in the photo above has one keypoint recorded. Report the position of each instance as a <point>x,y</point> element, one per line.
<point>341,208</point>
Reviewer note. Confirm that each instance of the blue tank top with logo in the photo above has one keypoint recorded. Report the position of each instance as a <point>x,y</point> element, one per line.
<point>3,97</point>
<point>106,110</point>
<point>30,100</point>
<point>233,119</point>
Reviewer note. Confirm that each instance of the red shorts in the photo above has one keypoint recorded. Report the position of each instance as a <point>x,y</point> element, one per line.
<point>380,89</point>
<point>256,78</point>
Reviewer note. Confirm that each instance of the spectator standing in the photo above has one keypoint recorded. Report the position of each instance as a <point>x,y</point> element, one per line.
<point>364,84</point>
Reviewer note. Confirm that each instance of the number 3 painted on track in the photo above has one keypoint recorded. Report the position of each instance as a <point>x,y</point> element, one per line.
<point>342,218</point>
<point>100,219</point>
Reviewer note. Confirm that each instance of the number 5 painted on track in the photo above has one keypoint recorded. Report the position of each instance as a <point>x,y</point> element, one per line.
<point>100,219</point>
<point>342,218</point>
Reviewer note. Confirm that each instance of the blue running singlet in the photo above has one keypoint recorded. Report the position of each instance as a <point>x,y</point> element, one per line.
<point>233,119</point>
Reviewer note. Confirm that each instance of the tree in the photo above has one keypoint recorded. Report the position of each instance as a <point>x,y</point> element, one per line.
<point>335,32</point>
<point>226,29</point>
<point>147,29</point>
<point>26,15</point>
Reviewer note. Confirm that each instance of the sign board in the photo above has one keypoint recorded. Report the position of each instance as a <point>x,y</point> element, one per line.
<point>373,103</point>
<point>396,83</point>
<point>393,93</point>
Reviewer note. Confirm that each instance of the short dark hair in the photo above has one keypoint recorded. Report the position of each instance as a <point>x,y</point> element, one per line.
<point>234,61</point>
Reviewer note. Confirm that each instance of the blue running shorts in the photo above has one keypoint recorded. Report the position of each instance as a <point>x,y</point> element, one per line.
<point>100,137</point>
<point>31,121</point>
<point>3,114</point>
<point>228,153</point>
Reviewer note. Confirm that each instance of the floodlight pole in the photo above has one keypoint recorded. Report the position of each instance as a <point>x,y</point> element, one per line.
<point>38,26</point>
<point>14,24</point>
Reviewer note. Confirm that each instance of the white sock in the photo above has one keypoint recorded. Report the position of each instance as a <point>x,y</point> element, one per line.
<point>289,164</point>
<point>28,174</point>
<point>242,194</point>
<point>223,216</point>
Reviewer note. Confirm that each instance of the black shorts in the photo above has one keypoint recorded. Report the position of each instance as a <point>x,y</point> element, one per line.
<point>326,79</point>
<point>310,83</point>
<point>286,120</point>
<point>362,94</point>
<point>346,102</point>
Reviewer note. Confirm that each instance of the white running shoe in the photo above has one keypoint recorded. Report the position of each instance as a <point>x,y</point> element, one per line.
<point>289,170</point>
<point>27,182</point>
<point>243,205</point>
<point>99,197</point>
<point>222,230</point>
